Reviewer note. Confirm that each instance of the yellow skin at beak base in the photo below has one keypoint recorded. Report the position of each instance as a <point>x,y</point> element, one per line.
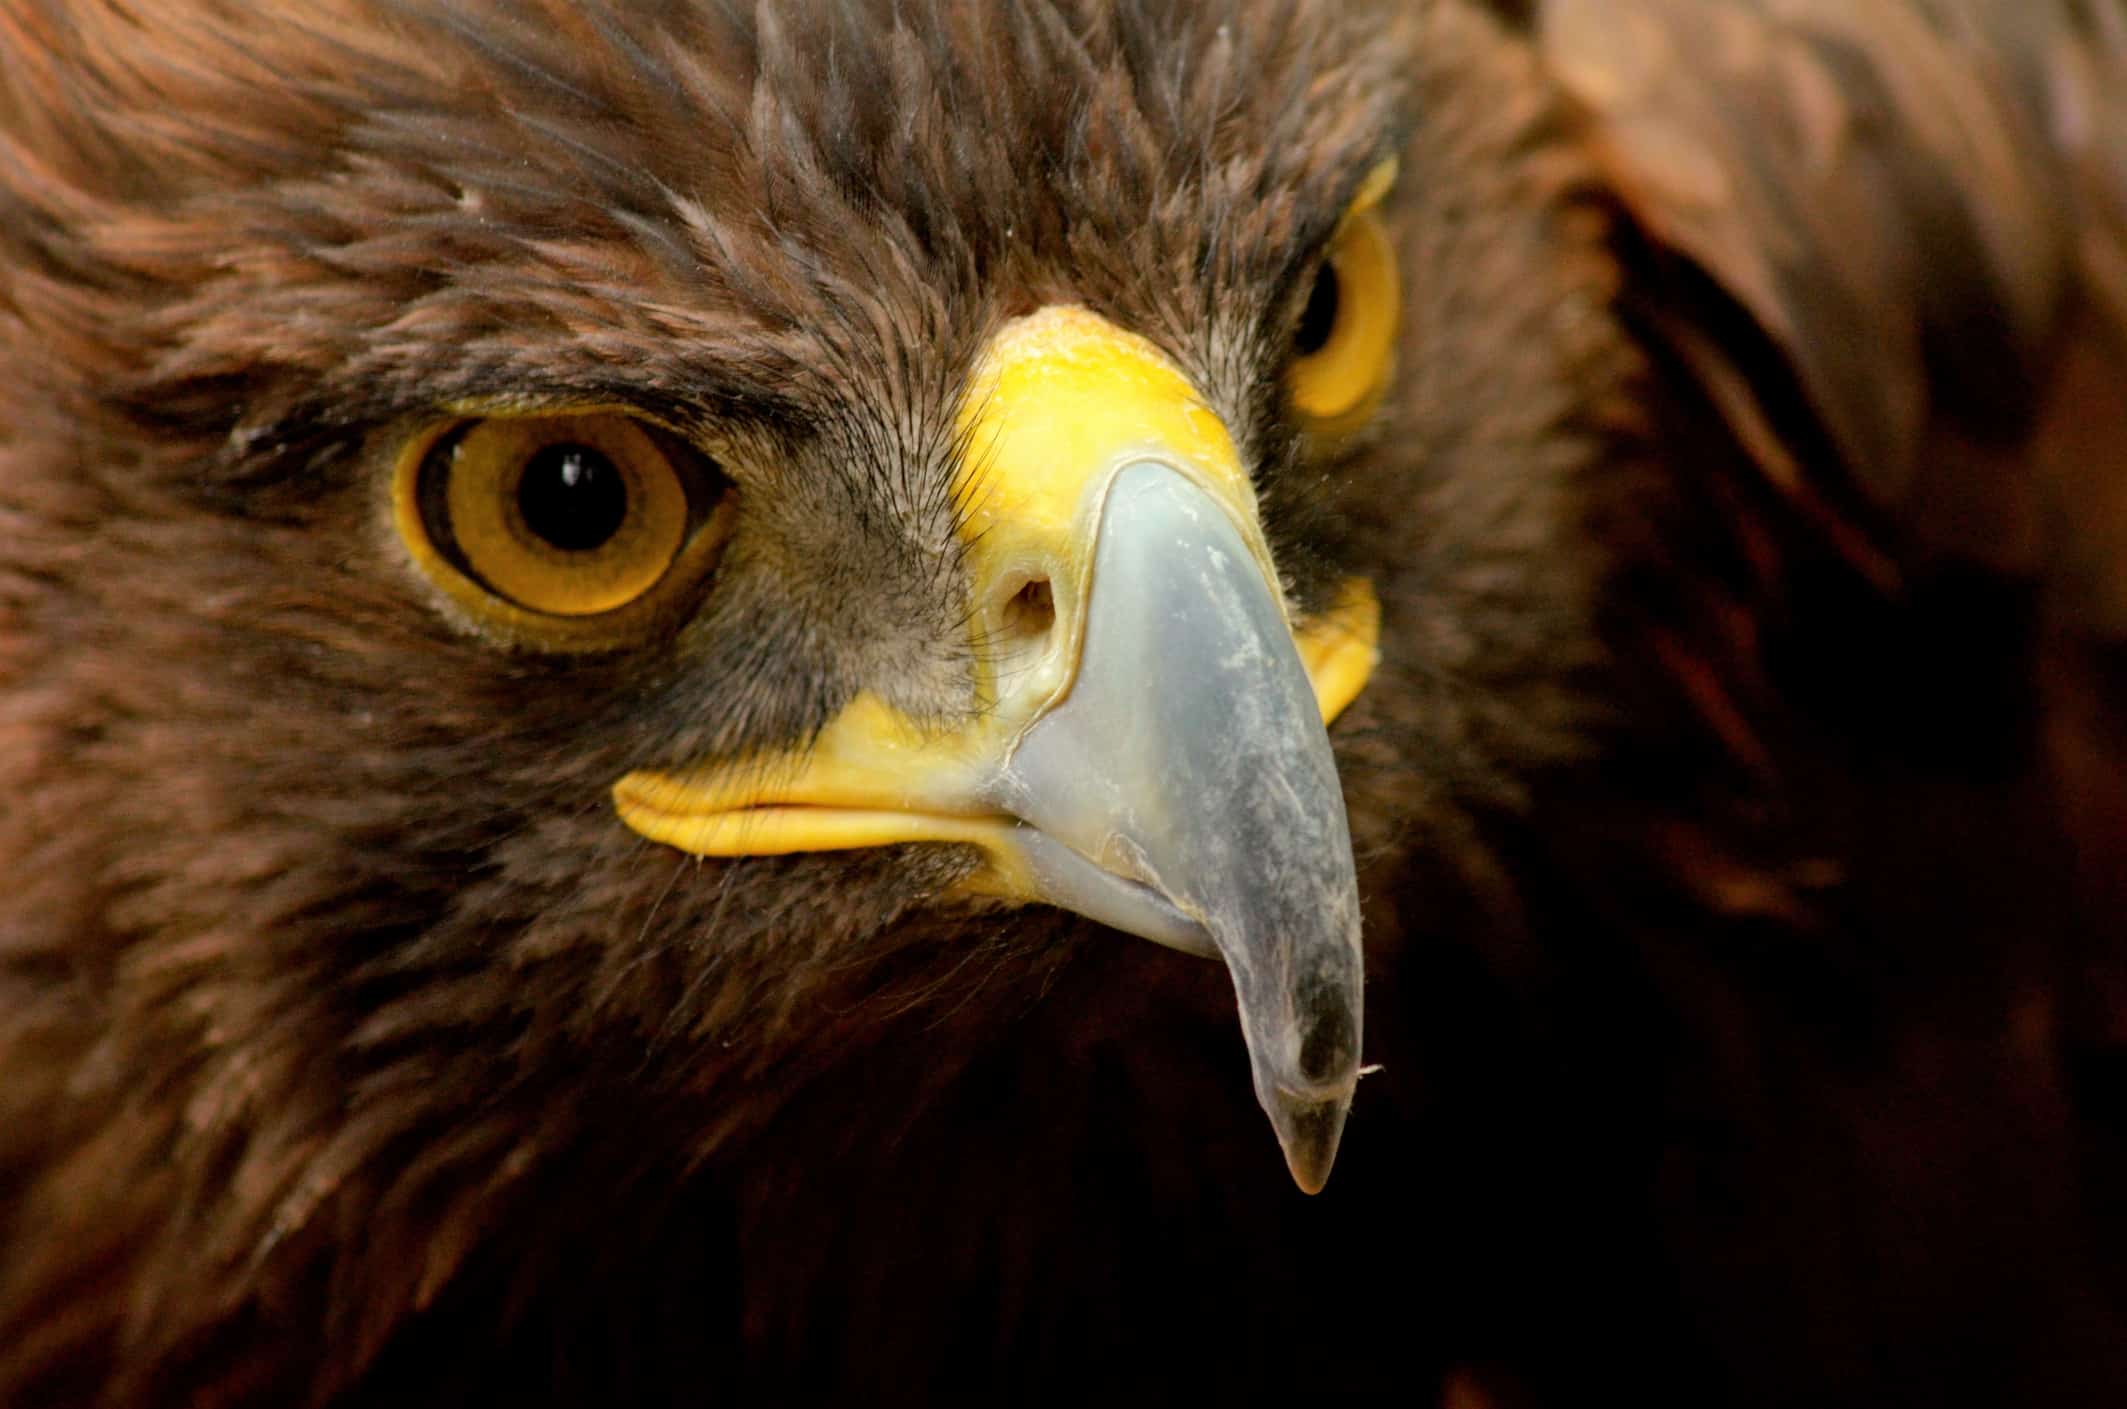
<point>1061,402</point>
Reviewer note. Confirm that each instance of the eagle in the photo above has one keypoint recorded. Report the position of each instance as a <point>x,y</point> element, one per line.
<point>702,703</point>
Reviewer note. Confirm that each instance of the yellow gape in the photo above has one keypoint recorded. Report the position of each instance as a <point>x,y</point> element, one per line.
<point>565,531</point>
<point>1346,338</point>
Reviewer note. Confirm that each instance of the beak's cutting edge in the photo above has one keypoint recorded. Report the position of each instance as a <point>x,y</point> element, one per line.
<point>1150,748</point>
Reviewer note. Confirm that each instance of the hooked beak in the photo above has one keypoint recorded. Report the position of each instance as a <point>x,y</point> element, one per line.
<point>1151,750</point>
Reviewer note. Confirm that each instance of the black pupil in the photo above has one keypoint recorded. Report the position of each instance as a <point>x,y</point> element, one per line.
<point>572,497</point>
<point>1319,319</point>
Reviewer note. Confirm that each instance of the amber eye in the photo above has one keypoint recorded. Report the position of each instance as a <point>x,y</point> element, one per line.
<point>566,531</point>
<point>1344,337</point>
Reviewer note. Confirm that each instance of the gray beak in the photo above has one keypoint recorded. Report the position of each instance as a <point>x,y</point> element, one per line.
<point>1184,791</point>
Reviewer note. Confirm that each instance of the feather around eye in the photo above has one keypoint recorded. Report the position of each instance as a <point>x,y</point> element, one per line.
<point>566,532</point>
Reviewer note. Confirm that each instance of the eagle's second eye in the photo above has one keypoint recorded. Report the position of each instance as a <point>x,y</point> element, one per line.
<point>1345,334</point>
<point>565,531</point>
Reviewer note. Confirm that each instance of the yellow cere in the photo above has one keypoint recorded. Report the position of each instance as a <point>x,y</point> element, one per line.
<point>1061,401</point>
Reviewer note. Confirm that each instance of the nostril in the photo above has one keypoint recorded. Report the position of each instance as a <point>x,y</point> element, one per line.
<point>1022,629</point>
<point>1031,611</point>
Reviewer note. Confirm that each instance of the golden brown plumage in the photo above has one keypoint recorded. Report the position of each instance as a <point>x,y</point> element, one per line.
<point>1738,804</point>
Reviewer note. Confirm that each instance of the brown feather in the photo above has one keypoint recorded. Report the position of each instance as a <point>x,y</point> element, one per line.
<point>1738,802</point>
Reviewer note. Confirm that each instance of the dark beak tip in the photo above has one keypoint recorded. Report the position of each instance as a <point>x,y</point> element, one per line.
<point>1311,1181</point>
<point>1309,1133</point>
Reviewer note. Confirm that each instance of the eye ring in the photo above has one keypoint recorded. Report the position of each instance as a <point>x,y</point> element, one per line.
<point>1344,335</point>
<point>568,531</point>
<point>484,496</point>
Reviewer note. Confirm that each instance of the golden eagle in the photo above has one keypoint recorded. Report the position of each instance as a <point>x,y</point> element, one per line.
<point>613,611</point>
